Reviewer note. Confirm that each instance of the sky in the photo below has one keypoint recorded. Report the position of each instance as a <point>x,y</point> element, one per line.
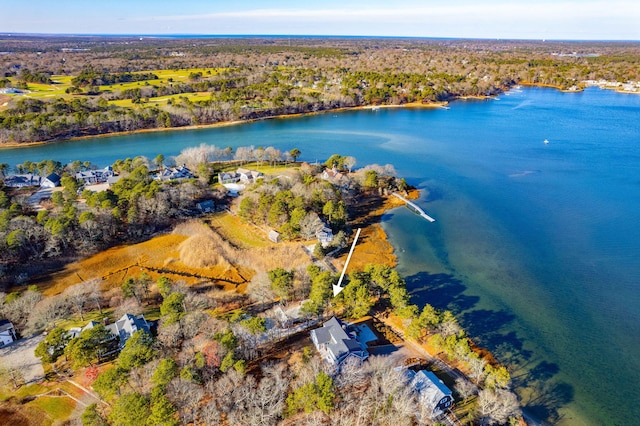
<point>512,19</point>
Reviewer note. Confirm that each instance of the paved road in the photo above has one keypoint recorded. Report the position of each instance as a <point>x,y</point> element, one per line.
<point>19,355</point>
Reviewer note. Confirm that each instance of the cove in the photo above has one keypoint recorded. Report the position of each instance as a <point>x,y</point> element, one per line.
<point>535,246</point>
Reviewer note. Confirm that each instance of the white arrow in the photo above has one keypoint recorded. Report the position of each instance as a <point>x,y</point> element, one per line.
<point>336,287</point>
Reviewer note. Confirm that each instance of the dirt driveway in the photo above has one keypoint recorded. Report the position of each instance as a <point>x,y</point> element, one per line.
<point>19,354</point>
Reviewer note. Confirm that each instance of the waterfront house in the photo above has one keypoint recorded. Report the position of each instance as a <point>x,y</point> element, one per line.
<point>7,332</point>
<point>174,173</point>
<point>432,393</point>
<point>337,344</point>
<point>51,181</point>
<point>21,181</point>
<point>93,177</point>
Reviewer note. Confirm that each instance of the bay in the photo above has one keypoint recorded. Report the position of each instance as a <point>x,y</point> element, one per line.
<point>535,246</point>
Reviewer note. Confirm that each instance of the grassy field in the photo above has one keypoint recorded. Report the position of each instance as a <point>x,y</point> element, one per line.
<point>228,253</point>
<point>165,77</point>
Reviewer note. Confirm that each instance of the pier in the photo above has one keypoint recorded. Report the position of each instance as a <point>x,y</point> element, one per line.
<point>415,207</point>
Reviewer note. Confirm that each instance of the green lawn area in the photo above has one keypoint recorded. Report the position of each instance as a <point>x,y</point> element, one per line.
<point>62,82</point>
<point>57,408</point>
<point>75,320</point>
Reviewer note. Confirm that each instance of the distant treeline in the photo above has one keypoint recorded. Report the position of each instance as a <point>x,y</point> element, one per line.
<point>267,77</point>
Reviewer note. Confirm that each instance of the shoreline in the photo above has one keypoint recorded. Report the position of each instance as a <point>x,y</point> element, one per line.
<point>12,145</point>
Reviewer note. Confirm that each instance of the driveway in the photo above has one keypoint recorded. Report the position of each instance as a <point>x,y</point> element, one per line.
<point>19,355</point>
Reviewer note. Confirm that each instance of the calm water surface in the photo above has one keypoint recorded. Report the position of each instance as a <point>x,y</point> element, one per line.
<point>535,245</point>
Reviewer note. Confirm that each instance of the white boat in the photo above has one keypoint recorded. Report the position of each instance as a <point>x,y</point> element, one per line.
<point>546,141</point>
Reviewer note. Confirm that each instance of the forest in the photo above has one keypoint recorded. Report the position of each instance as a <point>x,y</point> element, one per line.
<point>69,87</point>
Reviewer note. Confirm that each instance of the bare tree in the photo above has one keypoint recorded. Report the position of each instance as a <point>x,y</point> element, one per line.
<point>349,162</point>
<point>497,406</point>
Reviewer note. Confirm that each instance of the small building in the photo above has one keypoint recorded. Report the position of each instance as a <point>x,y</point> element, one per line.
<point>274,236</point>
<point>7,332</point>
<point>324,236</point>
<point>337,344</point>
<point>206,206</point>
<point>51,181</point>
<point>431,391</point>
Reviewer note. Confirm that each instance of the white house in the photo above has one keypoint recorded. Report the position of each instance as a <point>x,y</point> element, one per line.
<point>431,391</point>
<point>325,236</point>
<point>7,332</point>
<point>336,344</point>
<point>121,329</point>
<point>51,181</point>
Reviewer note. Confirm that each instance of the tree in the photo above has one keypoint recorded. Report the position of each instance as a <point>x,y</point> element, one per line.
<point>356,297</point>
<point>52,346</point>
<point>349,162</point>
<point>110,382</point>
<point>316,395</point>
<point>137,351</point>
<point>172,307</point>
<point>131,409</point>
<point>92,417</point>
<point>497,406</point>
<point>254,325</point>
<point>164,285</point>
<point>162,411</point>
<point>159,160</point>
<point>87,347</point>
<point>166,371</point>
<point>281,282</point>
<point>295,153</point>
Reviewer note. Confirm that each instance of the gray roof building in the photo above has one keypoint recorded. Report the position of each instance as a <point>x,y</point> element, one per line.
<point>336,344</point>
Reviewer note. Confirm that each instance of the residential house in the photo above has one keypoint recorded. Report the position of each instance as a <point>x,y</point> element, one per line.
<point>21,181</point>
<point>325,236</point>
<point>7,332</point>
<point>174,173</point>
<point>121,329</point>
<point>93,177</point>
<point>248,176</point>
<point>431,391</point>
<point>51,181</point>
<point>337,344</point>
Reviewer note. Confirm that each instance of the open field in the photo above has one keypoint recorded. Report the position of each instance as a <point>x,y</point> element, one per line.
<point>165,77</point>
<point>193,254</point>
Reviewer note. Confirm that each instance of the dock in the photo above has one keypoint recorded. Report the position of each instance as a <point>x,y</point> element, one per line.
<point>415,207</point>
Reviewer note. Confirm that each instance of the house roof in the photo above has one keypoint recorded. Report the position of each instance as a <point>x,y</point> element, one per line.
<point>5,325</point>
<point>53,177</point>
<point>334,337</point>
<point>428,386</point>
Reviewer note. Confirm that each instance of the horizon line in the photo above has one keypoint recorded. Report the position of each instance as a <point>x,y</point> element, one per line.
<point>320,36</point>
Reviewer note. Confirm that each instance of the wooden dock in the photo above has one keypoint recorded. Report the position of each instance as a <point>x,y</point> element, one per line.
<point>415,207</point>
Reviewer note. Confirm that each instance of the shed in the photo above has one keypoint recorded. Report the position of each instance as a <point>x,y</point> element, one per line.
<point>274,236</point>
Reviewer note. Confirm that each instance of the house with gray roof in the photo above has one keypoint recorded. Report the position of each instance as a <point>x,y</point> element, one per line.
<point>336,343</point>
<point>432,392</point>
<point>21,181</point>
<point>7,332</point>
<point>122,329</point>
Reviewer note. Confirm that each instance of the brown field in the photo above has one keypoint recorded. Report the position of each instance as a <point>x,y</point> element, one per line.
<point>193,253</point>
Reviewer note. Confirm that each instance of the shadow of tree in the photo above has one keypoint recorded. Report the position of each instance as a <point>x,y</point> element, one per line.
<point>442,291</point>
<point>550,399</point>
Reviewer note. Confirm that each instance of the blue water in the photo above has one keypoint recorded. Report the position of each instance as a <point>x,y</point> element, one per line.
<point>535,245</point>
